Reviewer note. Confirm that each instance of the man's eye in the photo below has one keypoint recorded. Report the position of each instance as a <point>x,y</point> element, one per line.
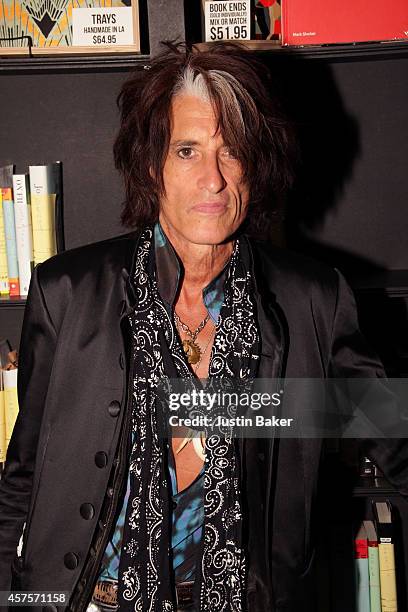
<point>185,152</point>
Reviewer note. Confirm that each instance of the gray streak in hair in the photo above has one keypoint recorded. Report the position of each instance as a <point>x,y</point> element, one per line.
<point>225,83</point>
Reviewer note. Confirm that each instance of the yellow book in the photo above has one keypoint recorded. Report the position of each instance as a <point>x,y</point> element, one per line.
<point>43,216</point>
<point>3,448</point>
<point>4,284</point>
<point>45,188</point>
<point>387,577</point>
<point>10,400</point>
<point>386,555</point>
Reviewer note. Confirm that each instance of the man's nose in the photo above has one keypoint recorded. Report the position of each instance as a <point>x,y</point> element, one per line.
<point>211,176</point>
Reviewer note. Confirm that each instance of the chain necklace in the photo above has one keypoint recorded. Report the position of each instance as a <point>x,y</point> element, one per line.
<point>194,357</point>
<point>190,347</point>
<point>199,443</point>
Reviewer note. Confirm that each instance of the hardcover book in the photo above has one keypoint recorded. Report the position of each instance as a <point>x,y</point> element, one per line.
<point>46,210</point>
<point>4,284</point>
<point>373,567</point>
<point>312,22</point>
<point>361,571</point>
<point>386,555</point>
<point>10,401</point>
<point>22,214</point>
<point>6,186</point>
<point>3,447</point>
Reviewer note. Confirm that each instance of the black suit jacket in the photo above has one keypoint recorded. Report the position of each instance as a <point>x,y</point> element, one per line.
<point>67,450</point>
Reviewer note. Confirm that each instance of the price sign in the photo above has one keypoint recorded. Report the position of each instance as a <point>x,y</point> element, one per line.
<point>93,27</point>
<point>227,20</point>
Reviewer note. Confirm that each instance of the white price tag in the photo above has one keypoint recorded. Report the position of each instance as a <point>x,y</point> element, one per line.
<point>227,20</point>
<point>96,27</point>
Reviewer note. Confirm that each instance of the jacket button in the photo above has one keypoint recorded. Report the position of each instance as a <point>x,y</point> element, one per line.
<point>101,459</point>
<point>122,361</point>
<point>109,492</point>
<point>87,511</point>
<point>71,561</point>
<point>114,408</point>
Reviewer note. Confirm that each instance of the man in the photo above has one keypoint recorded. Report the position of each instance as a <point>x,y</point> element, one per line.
<point>109,511</point>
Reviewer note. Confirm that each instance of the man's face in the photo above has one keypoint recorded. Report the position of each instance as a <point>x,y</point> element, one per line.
<point>205,197</point>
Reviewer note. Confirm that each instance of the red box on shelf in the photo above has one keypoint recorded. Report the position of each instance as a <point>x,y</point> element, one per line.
<point>316,22</point>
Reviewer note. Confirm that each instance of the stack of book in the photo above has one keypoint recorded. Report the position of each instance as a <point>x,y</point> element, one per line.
<point>375,563</point>
<point>31,223</point>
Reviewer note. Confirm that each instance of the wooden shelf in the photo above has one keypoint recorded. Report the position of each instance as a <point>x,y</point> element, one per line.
<point>374,491</point>
<point>371,486</point>
<point>126,61</point>
<point>393,283</point>
<point>357,51</point>
<point>117,61</point>
<point>15,302</point>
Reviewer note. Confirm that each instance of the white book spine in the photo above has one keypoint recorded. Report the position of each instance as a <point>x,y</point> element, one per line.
<point>43,179</point>
<point>38,180</point>
<point>22,216</point>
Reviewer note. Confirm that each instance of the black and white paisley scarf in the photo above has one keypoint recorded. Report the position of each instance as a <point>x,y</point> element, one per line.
<point>145,570</point>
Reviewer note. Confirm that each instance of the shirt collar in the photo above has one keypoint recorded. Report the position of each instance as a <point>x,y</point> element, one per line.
<point>168,272</point>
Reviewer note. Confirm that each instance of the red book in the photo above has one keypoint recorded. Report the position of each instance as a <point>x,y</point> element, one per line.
<point>315,22</point>
<point>361,546</point>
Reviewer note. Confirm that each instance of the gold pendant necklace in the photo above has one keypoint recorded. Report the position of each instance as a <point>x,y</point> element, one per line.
<point>192,350</point>
<point>190,346</point>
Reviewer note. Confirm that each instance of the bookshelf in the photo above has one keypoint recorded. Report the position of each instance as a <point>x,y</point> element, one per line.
<point>344,504</point>
<point>349,210</point>
<point>335,558</point>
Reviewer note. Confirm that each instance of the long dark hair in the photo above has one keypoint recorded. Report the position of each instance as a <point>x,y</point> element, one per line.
<point>259,134</point>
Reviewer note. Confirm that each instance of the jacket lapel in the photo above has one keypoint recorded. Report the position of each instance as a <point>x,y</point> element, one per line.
<point>129,298</point>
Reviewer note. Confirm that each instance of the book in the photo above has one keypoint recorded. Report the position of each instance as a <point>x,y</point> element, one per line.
<point>6,358</point>
<point>373,567</point>
<point>386,556</point>
<point>8,371</point>
<point>46,210</point>
<point>22,215</point>
<point>361,571</point>
<point>312,22</point>
<point>3,448</point>
<point>4,284</point>
<point>10,401</point>
<point>6,186</point>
